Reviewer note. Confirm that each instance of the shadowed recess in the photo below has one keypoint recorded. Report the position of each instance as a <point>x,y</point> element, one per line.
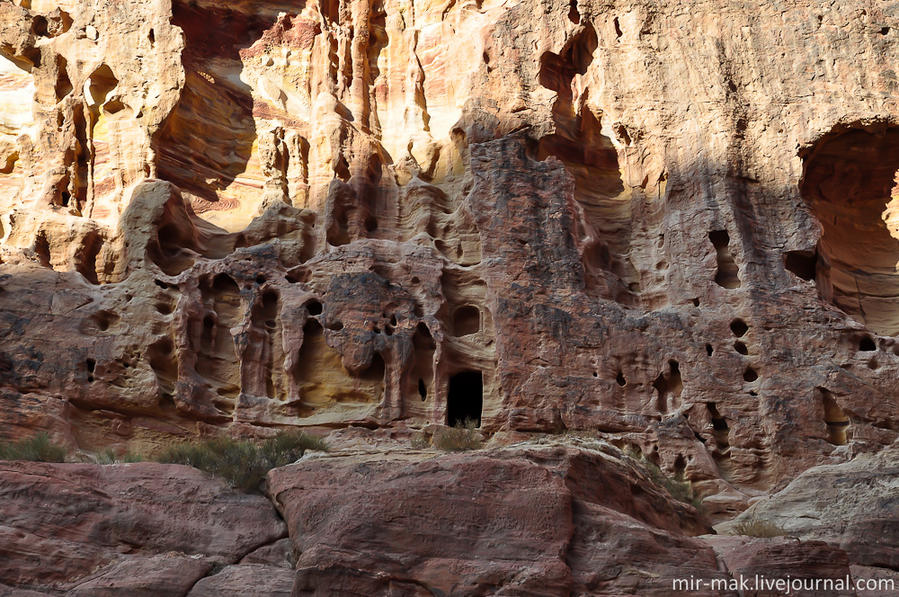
<point>850,184</point>
<point>465,400</point>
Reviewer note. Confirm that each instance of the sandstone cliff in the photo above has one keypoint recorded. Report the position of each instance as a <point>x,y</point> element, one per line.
<point>669,227</point>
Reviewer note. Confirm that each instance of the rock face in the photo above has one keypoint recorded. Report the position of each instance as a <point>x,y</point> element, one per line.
<point>516,521</point>
<point>136,529</point>
<point>853,505</point>
<point>263,215</point>
<point>671,225</point>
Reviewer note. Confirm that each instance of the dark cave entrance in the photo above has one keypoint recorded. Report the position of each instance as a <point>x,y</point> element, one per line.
<point>466,398</point>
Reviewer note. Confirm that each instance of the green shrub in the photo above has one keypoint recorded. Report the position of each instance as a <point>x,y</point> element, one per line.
<point>458,439</point>
<point>107,456</point>
<point>37,449</point>
<point>679,488</point>
<point>754,527</point>
<point>289,446</point>
<point>132,457</point>
<point>242,463</point>
<point>420,441</point>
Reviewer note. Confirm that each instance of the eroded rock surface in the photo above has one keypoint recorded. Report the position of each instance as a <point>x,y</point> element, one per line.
<point>530,520</point>
<point>670,225</point>
<point>853,505</point>
<point>140,528</point>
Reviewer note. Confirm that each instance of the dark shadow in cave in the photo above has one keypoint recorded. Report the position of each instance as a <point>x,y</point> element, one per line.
<point>466,397</point>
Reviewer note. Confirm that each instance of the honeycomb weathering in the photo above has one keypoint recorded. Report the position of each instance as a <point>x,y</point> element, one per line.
<point>673,230</point>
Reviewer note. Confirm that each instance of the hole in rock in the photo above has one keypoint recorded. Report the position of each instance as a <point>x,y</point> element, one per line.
<point>466,321</point>
<point>802,263</point>
<point>86,257</point>
<point>10,164</point>
<point>423,359</point>
<point>314,307</point>
<point>263,317</point>
<point>216,352</point>
<point>727,274</point>
<point>152,37</point>
<point>709,350</point>
<point>161,355</point>
<point>720,429</point>
<point>750,374</point>
<point>39,26</point>
<point>679,466</point>
<point>620,379</point>
<point>617,28</point>
<point>850,183</point>
<point>171,249</point>
<point>740,347</point>
<point>113,106</point>
<point>718,422</point>
<point>375,371</point>
<point>297,276</point>
<point>465,399</point>
<point>42,249</point>
<point>101,82</point>
<point>63,85</point>
<point>335,326</point>
<point>668,383</point>
<point>573,14</point>
<point>884,30</point>
<point>739,328</point>
<point>866,344</point>
<point>104,319</point>
<point>91,364</point>
<point>834,418</point>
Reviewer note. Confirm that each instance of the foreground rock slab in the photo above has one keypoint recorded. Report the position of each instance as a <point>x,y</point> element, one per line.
<point>544,520</point>
<point>130,529</point>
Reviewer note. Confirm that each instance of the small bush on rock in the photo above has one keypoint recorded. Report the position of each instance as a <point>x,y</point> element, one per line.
<point>758,528</point>
<point>36,449</point>
<point>458,439</point>
<point>242,463</point>
<point>679,488</point>
<point>420,441</point>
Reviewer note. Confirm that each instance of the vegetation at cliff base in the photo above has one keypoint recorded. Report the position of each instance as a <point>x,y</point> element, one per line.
<point>458,439</point>
<point>37,449</point>
<point>243,463</point>
<point>753,527</point>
